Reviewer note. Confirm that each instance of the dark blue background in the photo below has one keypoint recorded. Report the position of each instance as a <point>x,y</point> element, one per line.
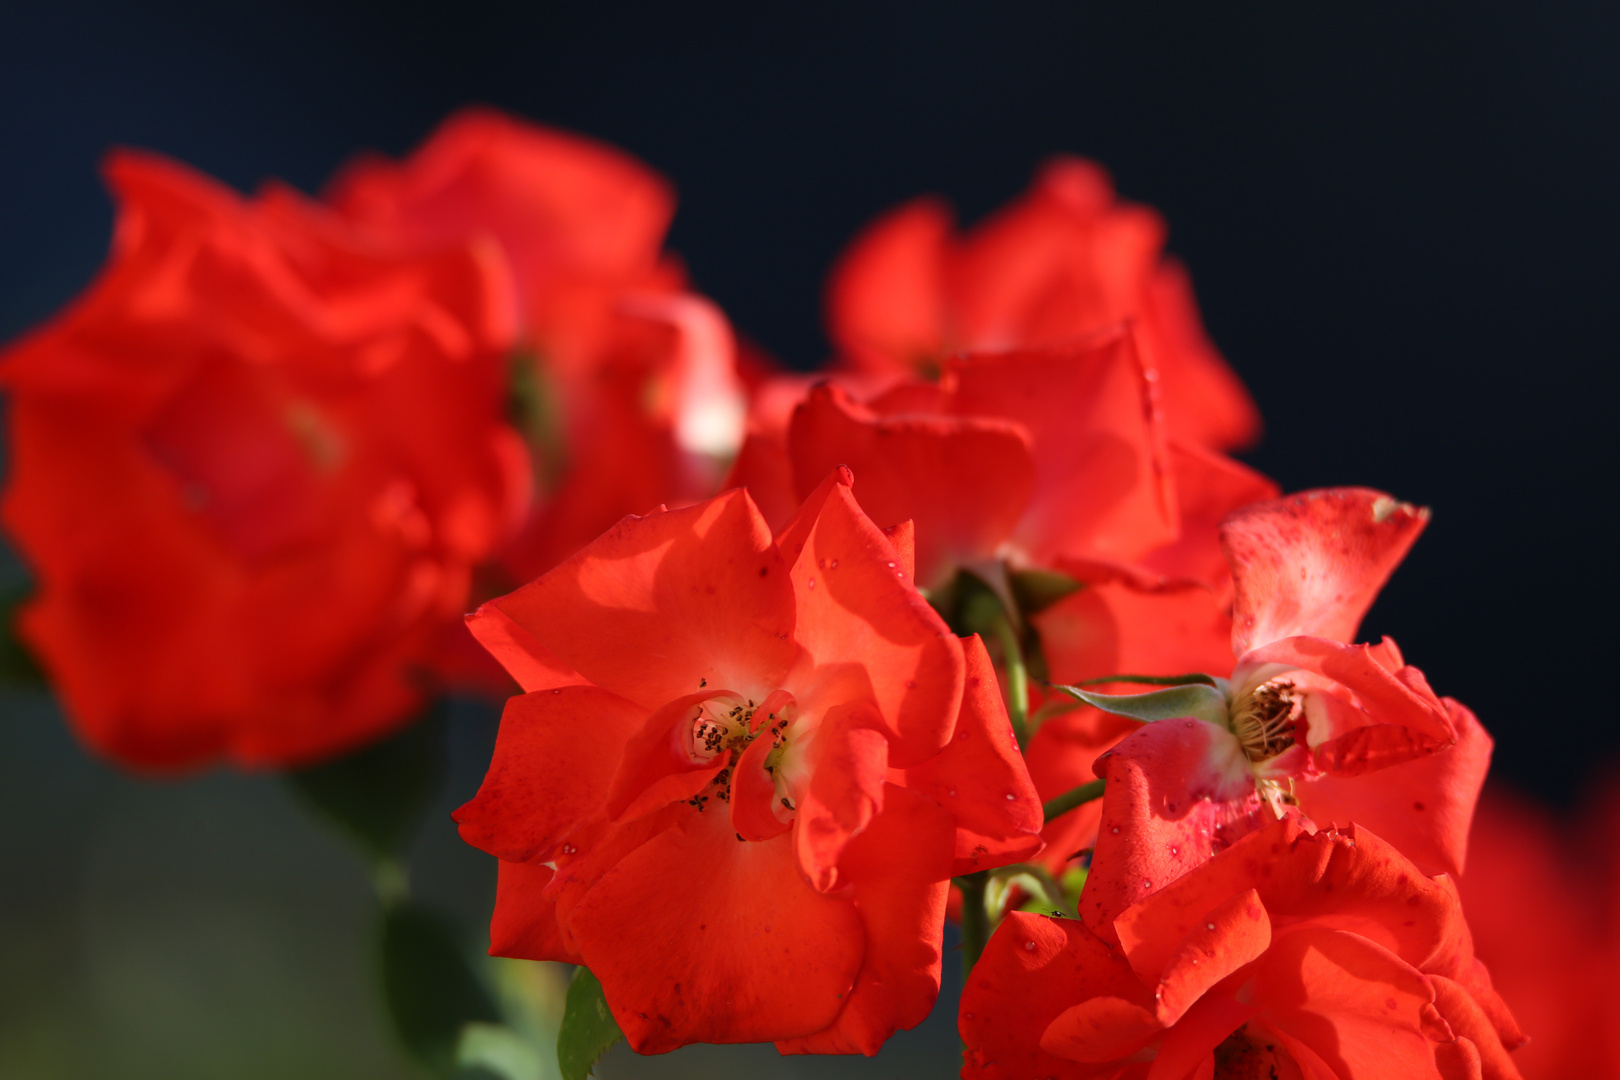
<point>1401,225</point>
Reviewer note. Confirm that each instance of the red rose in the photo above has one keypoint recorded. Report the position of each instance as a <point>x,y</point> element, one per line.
<point>1307,725</point>
<point>1540,898</point>
<point>743,773</point>
<point>1288,955</point>
<point>1065,261</point>
<point>1043,459</point>
<point>252,468</point>
<point>626,384</point>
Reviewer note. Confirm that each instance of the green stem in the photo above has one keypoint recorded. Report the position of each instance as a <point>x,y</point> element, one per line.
<point>975,918</point>
<point>1017,679</point>
<point>391,880</point>
<point>1073,798</point>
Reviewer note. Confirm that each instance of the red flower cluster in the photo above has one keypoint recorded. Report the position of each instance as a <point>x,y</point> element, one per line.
<point>276,450</point>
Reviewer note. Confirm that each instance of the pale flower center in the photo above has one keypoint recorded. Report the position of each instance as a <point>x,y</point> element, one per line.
<point>1264,721</point>
<point>726,725</point>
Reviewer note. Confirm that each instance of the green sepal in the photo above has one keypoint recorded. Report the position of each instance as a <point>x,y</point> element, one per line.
<point>1037,590</point>
<point>377,796</point>
<point>1038,886</point>
<point>430,986</point>
<point>1155,680</point>
<point>1196,700</point>
<point>588,1029</point>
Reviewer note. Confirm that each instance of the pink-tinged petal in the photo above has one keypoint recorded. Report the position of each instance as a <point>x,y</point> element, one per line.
<point>554,758</point>
<point>1100,1029</point>
<point>701,592</point>
<point>1204,1027</point>
<point>898,868</point>
<point>1209,486</point>
<point>980,778</point>
<point>1063,755</point>
<point>845,792</point>
<point>1234,934</point>
<point>1311,564</point>
<point>1383,697</point>
<point>1032,969</point>
<point>524,925</point>
<point>1353,882</point>
<point>1465,1017</point>
<point>1178,791</point>
<point>1102,486</point>
<point>886,295</point>
<point>702,399</point>
<point>1423,806</point>
<point>753,955</point>
<point>860,620</point>
<point>754,812</point>
<point>1121,624</point>
<point>659,765</point>
<point>1362,1009</point>
<point>964,482</point>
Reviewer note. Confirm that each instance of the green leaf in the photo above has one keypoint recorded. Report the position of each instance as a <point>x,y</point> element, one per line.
<point>1194,700</point>
<point>430,986</point>
<point>377,795</point>
<point>17,666</point>
<point>588,1027</point>
<point>1037,590</point>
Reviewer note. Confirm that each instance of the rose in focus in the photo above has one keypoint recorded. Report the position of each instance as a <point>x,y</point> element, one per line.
<point>794,756</point>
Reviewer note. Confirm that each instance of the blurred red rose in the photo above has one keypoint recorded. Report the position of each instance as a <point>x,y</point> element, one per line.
<point>251,469</point>
<point>1539,896</point>
<point>625,384</point>
<point>1064,261</point>
<point>742,775</point>
<point>1290,955</point>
